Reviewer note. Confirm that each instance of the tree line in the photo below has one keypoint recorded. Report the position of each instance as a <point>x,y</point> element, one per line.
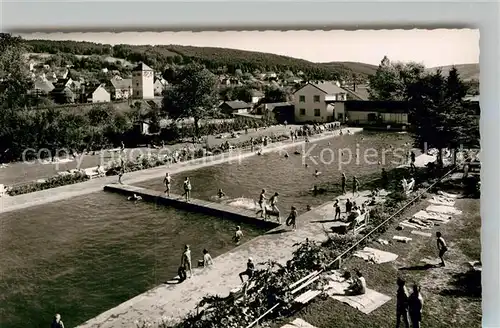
<point>442,116</point>
<point>161,56</point>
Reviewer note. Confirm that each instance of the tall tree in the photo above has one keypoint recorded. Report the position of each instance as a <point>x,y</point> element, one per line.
<point>274,94</point>
<point>391,80</point>
<point>194,95</point>
<point>442,117</point>
<point>15,81</point>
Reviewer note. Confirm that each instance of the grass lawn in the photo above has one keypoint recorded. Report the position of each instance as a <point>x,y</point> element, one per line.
<point>19,172</point>
<point>452,295</point>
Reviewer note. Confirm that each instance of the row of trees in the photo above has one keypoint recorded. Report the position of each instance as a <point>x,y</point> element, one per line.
<point>442,116</point>
<point>231,60</point>
<point>194,94</point>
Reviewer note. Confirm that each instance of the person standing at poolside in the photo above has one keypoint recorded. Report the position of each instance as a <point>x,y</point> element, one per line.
<point>167,180</point>
<point>337,209</point>
<point>343,183</point>
<point>186,260</point>
<point>292,218</point>
<point>120,174</point>
<point>274,201</point>
<point>262,205</point>
<point>355,186</point>
<point>442,247</point>
<point>415,305</point>
<point>187,189</point>
<point>385,179</point>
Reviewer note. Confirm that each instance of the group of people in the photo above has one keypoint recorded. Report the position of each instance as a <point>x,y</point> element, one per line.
<point>273,209</point>
<point>186,268</point>
<point>167,181</point>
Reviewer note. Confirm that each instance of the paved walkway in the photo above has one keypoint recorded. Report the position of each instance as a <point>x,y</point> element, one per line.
<point>177,300</point>
<point>13,203</point>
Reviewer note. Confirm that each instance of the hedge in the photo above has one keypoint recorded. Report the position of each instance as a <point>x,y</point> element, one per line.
<point>129,166</point>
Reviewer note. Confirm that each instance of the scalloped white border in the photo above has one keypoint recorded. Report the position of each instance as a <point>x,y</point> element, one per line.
<point>203,15</point>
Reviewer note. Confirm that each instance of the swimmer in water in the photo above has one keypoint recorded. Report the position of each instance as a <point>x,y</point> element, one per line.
<point>286,155</point>
<point>316,173</point>
<point>238,235</point>
<point>306,165</point>
<point>221,194</point>
<point>134,197</point>
<point>297,152</point>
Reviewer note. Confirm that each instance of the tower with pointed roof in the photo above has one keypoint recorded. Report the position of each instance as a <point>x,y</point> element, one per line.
<point>143,82</point>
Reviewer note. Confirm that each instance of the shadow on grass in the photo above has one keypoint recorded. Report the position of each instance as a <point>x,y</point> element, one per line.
<point>464,284</point>
<point>323,221</point>
<point>419,267</point>
<point>275,232</point>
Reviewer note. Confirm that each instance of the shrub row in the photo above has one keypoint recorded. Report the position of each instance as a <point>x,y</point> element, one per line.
<point>129,166</point>
<point>53,182</point>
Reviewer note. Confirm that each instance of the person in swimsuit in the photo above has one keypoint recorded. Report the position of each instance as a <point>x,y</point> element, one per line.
<point>249,271</point>
<point>187,189</point>
<point>441,245</point>
<point>355,185</point>
<point>292,218</point>
<point>207,259</point>
<point>238,235</point>
<point>274,207</point>
<point>343,183</point>
<point>337,209</point>
<point>120,174</point>
<point>221,193</point>
<point>186,260</point>
<point>57,322</point>
<point>262,205</point>
<point>167,181</point>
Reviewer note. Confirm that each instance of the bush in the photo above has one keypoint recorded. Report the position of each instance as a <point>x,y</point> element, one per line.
<point>53,182</point>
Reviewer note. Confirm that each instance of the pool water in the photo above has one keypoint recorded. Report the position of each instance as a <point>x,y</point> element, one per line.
<point>80,257</point>
<point>243,182</point>
<point>83,256</point>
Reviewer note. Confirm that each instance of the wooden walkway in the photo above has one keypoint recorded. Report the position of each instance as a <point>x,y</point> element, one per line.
<point>194,205</point>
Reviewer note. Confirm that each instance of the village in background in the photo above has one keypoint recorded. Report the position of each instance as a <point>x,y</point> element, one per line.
<point>249,84</point>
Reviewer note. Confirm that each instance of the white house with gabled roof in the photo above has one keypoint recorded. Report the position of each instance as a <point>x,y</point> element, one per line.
<point>310,101</point>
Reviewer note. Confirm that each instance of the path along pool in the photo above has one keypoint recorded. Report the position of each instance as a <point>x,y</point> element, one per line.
<point>82,256</point>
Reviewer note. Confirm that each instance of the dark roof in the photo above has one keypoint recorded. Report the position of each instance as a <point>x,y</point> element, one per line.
<point>376,106</point>
<point>273,106</point>
<point>154,103</point>
<point>142,67</point>
<point>237,104</point>
<point>62,89</point>
<point>121,84</point>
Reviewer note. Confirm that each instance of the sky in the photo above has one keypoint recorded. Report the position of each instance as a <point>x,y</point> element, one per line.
<point>438,47</point>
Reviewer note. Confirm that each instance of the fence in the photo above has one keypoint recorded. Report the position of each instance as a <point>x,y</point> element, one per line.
<point>353,247</point>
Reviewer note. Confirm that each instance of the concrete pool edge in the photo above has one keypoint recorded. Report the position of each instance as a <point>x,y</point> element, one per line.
<point>194,205</point>
<point>177,300</point>
<point>13,203</point>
